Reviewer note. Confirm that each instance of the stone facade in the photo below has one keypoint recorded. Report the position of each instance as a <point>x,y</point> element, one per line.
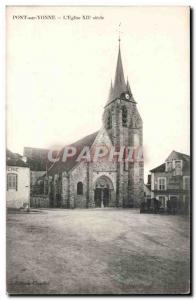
<point>105,183</point>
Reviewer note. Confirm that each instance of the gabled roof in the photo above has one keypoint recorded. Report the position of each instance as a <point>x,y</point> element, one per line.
<point>178,155</point>
<point>160,168</point>
<point>174,155</point>
<point>61,166</point>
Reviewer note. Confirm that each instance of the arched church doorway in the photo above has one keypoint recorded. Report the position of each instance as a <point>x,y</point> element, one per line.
<point>102,192</point>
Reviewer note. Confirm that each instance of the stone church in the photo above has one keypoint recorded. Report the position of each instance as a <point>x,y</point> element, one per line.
<point>103,183</point>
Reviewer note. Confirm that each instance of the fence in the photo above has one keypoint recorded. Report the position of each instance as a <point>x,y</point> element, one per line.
<point>39,201</point>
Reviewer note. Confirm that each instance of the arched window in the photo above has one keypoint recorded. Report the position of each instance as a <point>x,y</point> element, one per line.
<point>79,188</point>
<point>12,182</point>
<point>109,120</point>
<point>124,116</point>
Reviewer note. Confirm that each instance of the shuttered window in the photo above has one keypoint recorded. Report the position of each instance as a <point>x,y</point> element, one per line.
<point>12,181</point>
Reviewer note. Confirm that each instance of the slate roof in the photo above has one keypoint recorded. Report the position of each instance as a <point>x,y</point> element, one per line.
<point>128,87</point>
<point>181,156</point>
<point>14,159</point>
<point>16,163</point>
<point>160,168</point>
<point>60,166</point>
<point>119,82</point>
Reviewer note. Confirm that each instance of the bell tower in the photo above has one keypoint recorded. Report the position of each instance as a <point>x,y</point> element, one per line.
<point>124,125</point>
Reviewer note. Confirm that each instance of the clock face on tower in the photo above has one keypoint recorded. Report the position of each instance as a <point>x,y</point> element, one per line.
<point>127,96</point>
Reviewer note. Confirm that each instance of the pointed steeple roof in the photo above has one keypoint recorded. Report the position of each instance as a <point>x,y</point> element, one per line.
<point>129,91</point>
<point>128,87</point>
<point>119,82</point>
<point>110,96</point>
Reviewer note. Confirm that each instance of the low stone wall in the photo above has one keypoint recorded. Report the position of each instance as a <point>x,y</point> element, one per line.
<point>39,201</point>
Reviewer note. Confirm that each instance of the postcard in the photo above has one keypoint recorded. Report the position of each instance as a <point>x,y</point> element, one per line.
<point>98,163</point>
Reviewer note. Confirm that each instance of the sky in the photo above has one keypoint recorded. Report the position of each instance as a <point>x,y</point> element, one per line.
<point>59,73</point>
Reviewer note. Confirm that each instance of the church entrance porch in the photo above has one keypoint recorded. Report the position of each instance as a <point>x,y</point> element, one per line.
<point>102,192</point>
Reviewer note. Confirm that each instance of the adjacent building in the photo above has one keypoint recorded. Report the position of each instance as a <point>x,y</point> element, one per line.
<point>38,162</point>
<point>170,182</point>
<point>18,181</point>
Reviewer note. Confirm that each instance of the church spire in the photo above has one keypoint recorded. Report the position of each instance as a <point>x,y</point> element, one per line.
<point>119,82</point>
<point>110,96</point>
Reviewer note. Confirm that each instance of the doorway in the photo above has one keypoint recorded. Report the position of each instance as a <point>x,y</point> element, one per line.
<point>102,197</point>
<point>102,192</point>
